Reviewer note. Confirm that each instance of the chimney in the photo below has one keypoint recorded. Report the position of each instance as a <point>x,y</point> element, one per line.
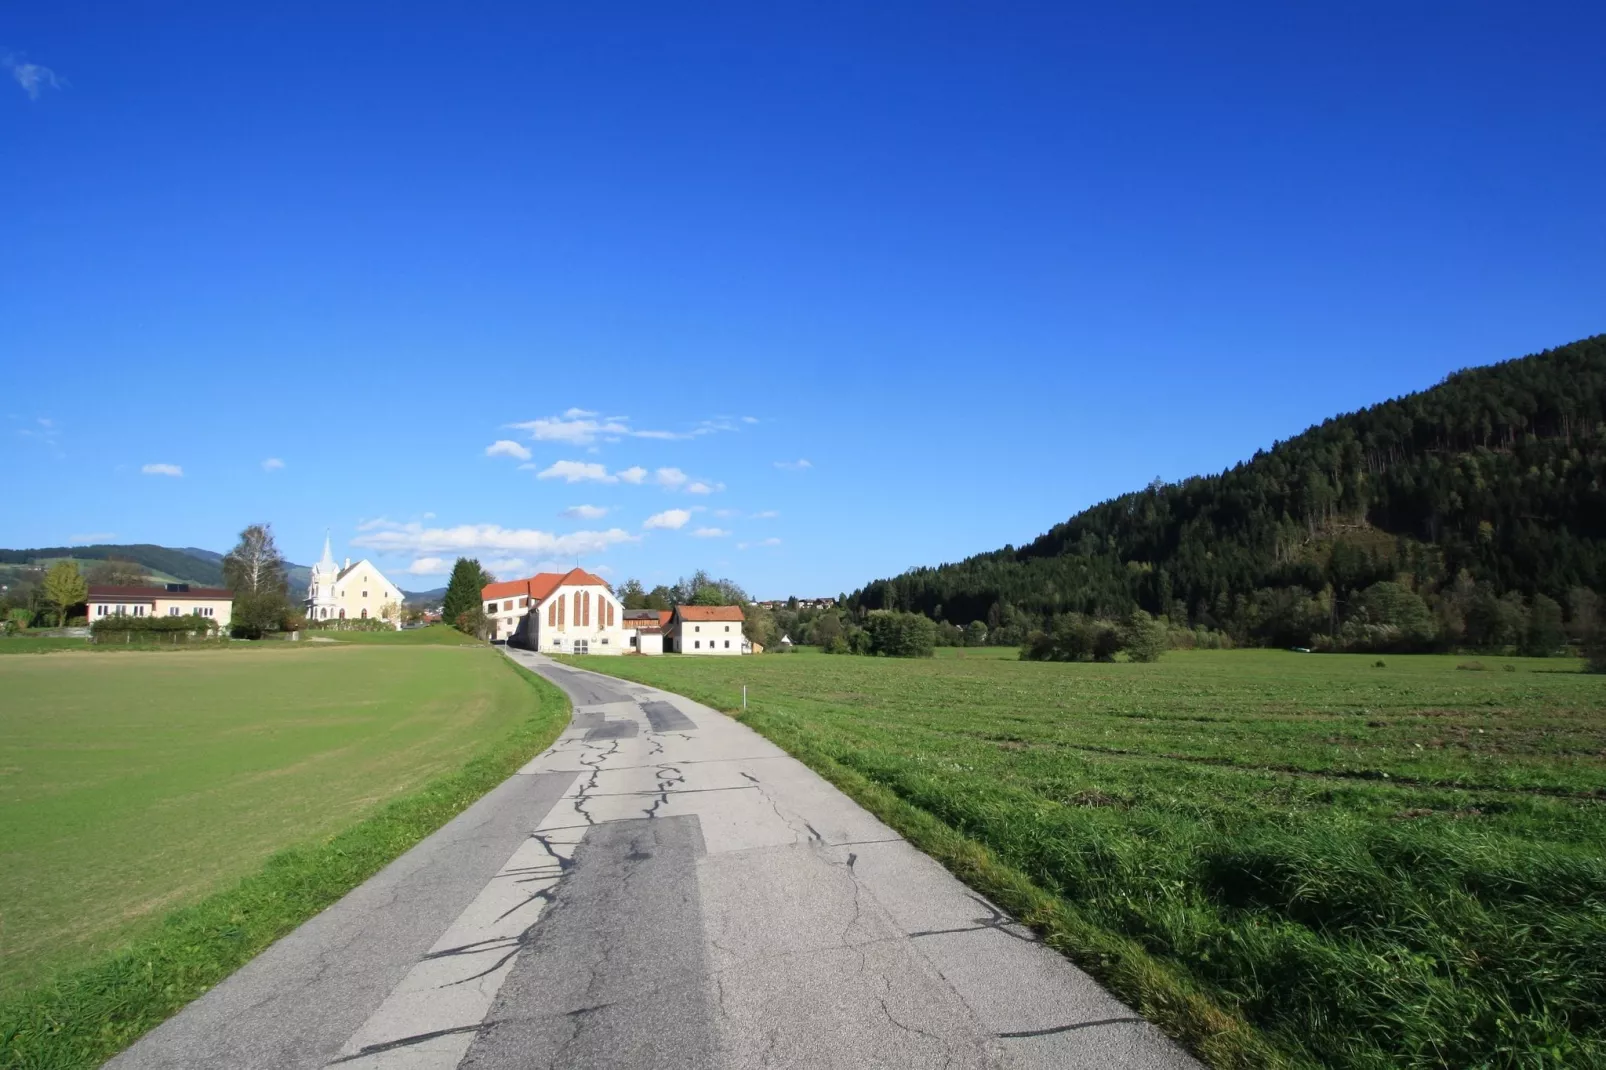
<point>348,563</point>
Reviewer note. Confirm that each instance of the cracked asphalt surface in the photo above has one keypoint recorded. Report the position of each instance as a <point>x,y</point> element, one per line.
<point>663,888</point>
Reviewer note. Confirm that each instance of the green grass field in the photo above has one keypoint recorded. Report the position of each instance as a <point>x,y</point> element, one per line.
<point>1283,859</point>
<point>133,783</point>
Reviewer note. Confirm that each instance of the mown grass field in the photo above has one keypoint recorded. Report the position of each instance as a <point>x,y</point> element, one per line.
<point>1283,859</point>
<point>133,783</point>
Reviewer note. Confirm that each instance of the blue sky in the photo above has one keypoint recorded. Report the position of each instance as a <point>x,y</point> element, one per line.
<point>802,294</point>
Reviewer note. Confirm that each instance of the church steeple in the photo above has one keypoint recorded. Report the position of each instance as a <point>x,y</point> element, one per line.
<point>327,563</point>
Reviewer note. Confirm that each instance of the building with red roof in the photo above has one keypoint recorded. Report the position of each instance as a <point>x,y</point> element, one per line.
<point>571,612</point>
<point>708,630</point>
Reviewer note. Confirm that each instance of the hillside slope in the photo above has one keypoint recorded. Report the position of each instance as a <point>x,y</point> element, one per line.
<point>1491,484</point>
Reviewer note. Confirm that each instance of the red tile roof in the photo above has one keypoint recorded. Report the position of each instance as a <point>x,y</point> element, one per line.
<point>703,613</point>
<point>540,585</point>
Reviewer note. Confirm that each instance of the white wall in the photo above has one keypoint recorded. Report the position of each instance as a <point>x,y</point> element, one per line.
<point>552,638</point>
<point>710,637</point>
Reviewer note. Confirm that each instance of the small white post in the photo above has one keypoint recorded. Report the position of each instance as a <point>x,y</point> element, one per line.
<point>744,696</point>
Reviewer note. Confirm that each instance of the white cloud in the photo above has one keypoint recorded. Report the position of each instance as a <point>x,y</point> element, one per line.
<point>31,76</point>
<point>668,520</point>
<point>711,533</point>
<point>578,472</point>
<point>507,568</point>
<point>700,487</point>
<point>161,470</point>
<point>749,419</point>
<point>506,447</point>
<point>586,512</point>
<point>585,427</point>
<point>92,537</point>
<point>272,464</point>
<point>670,477</point>
<point>766,514</point>
<point>428,566</point>
<point>794,466</point>
<point>633,475</point>
<point>465,538</point>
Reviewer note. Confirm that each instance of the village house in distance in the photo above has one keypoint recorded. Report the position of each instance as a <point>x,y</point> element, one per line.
<point>174,600</point>
<point>577,613</point>
<point>354,592</point>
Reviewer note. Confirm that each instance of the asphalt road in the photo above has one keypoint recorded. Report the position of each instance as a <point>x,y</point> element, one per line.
<point>661,889</point>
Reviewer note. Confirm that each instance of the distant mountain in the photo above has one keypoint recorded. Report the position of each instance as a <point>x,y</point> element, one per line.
<point>424,598</point>
<point>167,564</point>
<point>1487,488</point>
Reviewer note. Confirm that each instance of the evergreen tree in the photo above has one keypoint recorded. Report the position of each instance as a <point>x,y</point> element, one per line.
<point>462,598</point>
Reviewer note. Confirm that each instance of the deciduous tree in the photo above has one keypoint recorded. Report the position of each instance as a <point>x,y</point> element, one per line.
<point>64,588</point>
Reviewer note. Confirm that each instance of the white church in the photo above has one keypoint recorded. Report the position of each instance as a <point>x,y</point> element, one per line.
<point>356,592</point>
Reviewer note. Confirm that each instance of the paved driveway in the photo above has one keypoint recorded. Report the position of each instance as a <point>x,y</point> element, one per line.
<point>662,888</point>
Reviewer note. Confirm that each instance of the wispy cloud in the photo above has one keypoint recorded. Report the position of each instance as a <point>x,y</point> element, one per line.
<point>31,76</point>
<point>91,538</point>
<point>668,520</point>
<point>794,466</point>
<point>634,475</point>
<point>586,512</point>
<point>766,514</point>
<point>700,487</point>
<point>577,472</point>
<point>506,447</point>
<point>161,470</point>
<point>272,464</point>
<point>388,537</point>
<point>711,533</point>
<point>586,427</point>
<point>749,419</point>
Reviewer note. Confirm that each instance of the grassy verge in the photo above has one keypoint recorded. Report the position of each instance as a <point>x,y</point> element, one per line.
<point>85,1015</point>
<point>1283,860</point>
<point>39,644</point>
<point>433,635</point>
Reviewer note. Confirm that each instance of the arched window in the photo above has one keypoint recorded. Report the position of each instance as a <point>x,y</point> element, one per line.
<point>365,614</point>
<point>552,612</point>
<point>342,614</point>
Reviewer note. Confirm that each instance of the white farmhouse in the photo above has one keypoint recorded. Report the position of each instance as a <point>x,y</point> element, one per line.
<point>571,613</point>
<point>708,630</point>
<point>357,592</point>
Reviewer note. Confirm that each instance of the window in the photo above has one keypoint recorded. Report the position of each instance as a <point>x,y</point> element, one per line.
<point>727,628</point>
<point>100,611</point>
<point>365,594</point>
<point>697,644</point>
<point>508,605</point>
<point>364,614</point>
<point>172,611</point>
<point>604,640</point>
<point>342,614</point>
<point>139,611</point>
<point>551,613</point>
<point>490,607</point>
<point>727,644</point>
<point>581,647</point>
<point>524,603</point>
<point>696,627</point>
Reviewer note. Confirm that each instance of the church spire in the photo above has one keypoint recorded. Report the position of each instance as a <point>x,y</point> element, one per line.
<point>327,564</point>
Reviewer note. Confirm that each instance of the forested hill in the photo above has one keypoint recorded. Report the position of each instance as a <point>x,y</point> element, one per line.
<point>1491,484</point>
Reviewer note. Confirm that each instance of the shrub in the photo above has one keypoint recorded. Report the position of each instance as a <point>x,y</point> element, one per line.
<point>130,629</point>
<point>900,635</point>
<point>1145,637</point>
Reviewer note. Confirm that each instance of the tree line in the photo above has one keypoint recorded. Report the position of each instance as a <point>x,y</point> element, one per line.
<point>1469,515</point>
